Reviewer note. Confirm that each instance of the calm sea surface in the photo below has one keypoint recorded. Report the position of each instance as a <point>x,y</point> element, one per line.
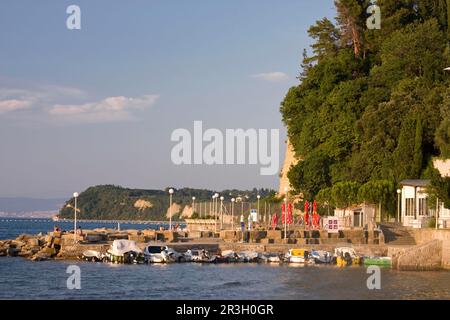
<point>23,279</point>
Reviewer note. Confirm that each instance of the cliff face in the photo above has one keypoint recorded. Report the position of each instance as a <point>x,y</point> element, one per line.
<point>443,166</point>
<point>289,160</point>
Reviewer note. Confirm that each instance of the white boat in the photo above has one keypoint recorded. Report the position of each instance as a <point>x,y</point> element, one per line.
<point>321,256</point>
<point>162,254</point>
<point>230,256</point>
<point>343,251</point>
<point>92,255</point>
<point>269,258</point>
<point>201,256</point>
<point>247,256</point>
<point>297,256</point>
<point>125,251</point>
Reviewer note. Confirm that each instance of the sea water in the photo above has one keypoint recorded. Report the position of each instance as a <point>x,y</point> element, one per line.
<point>24,279</point>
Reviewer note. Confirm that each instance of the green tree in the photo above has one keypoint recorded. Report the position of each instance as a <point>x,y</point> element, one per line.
<point>326,38</point>
<point>377,192</point>
<point>345,194</point>
<point>418,152</point>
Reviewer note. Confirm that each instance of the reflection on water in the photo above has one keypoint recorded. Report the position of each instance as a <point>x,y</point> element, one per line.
<point>24,279</point>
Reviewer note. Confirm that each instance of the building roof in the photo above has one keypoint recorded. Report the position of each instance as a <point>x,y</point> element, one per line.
<point>415,183</point>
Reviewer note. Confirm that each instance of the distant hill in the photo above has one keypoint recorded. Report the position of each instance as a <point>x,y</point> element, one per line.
<point>20,205</point>
<point>114,202</point>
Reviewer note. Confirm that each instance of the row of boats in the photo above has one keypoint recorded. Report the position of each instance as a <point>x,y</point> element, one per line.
<point>126,251</point>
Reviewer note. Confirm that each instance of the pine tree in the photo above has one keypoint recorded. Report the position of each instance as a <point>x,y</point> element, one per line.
<point>418,152</point>
<point>404,153</point>
<point>326,36</point>
<point>351,22</point>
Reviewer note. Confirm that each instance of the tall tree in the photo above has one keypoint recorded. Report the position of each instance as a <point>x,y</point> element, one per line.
<point>418,149</point>
<point>326,38</point>
<point>350,18</point>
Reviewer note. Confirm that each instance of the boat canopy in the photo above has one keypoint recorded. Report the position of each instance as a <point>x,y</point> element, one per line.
<point>120,247</point>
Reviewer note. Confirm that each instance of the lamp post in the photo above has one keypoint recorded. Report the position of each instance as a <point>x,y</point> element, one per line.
<point>257,214</point>
<point>232,213</point>
<point>221,212</point>
<point>437,214</point>
<point>215,210</point>
<point>193,205</point>
<point>170,208</point>
<point>399,192</point>
<point>75,195</point>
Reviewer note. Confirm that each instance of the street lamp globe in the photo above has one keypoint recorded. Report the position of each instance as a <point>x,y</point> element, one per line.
<point>399,191</point>
<point>233,199</point>
<point>222,198</point>
<point>216,195</point>
<point>75,194</point>
<point>171,191</point>
<point>193,198</point>
<point>258,196</point>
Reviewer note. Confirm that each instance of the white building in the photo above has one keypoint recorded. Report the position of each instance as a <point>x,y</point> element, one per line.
<point>355,217</point>
<point>415,211</point>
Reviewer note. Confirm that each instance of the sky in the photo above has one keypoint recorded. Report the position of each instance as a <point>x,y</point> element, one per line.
<point>98,105</point>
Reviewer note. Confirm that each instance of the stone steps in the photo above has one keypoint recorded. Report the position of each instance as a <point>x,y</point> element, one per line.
<point>396,234</point>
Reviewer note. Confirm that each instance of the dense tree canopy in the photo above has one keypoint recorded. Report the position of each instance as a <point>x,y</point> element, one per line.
<point>372,105</point>
<point>109,202</point>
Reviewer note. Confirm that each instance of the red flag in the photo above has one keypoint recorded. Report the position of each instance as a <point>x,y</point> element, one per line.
<point>274,221</point>
<point>283,213</point>
<point>306,207</point>
<point>289,216</point>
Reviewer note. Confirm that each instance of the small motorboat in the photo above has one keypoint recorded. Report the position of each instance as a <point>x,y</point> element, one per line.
<point>125,251</point>
<point>162,254</point>
<point>269,258</point>
<point>297,256</point>
<point>92,255</point>
<point>378,261</point>
<point>247,256</point>
<point>201,256</point>
<point>321,256</point>
<point>230,256</point>
<point>346,256</point>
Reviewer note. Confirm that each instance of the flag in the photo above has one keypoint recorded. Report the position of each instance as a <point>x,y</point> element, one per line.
<point>289,215</point>
<point>274,221</point>
<point>283,213</point>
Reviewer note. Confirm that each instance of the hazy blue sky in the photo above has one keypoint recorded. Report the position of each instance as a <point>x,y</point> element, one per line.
<point>63,128</point>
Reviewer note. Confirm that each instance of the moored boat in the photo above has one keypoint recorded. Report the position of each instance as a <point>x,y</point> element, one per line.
<point>321,256</point>
<point>378,261</point>
<point>92,255</point>
<point>297,256</point>
<point>125,251</point>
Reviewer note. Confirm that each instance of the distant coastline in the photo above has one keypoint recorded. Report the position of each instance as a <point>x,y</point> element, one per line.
<point>29,215</point>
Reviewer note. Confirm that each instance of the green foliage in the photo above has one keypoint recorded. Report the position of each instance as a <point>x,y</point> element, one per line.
<point>345,194</point>
<point>310,175</point>
<point>374,104</point>
<point>110,202</point>
<point>377,191</point>
<point>439,188</point>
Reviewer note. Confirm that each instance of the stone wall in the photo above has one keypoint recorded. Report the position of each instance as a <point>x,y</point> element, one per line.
<point>425,257</point>
<point>426,235</point>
